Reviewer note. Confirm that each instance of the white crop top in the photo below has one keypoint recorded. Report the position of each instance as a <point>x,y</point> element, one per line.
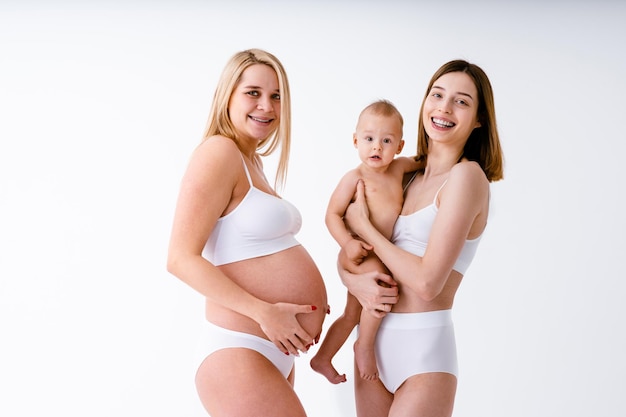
<point>260,225</point>
<point>411,233</point>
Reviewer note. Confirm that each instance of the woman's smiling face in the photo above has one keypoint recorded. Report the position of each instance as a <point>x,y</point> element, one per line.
<point>254,106</point>
<point>450,109</point>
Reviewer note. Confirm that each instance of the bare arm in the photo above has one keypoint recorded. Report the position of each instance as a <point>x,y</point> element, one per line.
<point>406,164</point>
<point>461,203</point>
<point>365,286</point>
<point>340,199</point>
<point>205,193</point>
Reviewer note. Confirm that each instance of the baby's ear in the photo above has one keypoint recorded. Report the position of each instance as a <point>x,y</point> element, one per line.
<point>400,146</point>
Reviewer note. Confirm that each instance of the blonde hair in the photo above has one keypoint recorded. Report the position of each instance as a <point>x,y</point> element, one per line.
<point>384,108</point>
<point>219,122</point>
<point>483,144</point>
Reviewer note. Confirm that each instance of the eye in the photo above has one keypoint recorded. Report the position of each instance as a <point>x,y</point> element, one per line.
<point>462,102</point>
<point>368,138</point>
<point>276,97</point>
<point>386,140</point>
<point>253,93</point>
<point>436,95</point>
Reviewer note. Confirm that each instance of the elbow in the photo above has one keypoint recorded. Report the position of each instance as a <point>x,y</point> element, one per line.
<point>428,294</point>
<point>173,264</point>
<point>428,290</point>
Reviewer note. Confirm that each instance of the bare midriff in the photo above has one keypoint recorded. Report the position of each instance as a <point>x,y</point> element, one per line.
<point>288,276</point>
<point>410,302</point>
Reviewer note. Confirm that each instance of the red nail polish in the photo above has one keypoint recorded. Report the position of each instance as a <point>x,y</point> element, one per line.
<point>313,308</point>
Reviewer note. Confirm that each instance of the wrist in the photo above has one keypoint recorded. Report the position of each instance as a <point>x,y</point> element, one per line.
<point>259,309</point>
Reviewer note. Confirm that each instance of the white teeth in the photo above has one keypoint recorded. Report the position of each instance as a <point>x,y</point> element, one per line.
<point>260,120</point>
<point>442,123</point>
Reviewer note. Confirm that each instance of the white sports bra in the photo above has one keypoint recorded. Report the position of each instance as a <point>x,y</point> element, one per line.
<point>411,233</point>
<point>261,224</point>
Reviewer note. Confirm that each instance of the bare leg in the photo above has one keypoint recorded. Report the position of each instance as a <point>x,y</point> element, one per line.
<point>337,335</point>
<point>239,382</point>
<point>364,346</point>
<point>425,395</point>
<point>364,353</point>
<point>371,397</point>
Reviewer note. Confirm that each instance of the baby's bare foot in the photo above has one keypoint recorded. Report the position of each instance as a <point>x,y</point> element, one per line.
<point>366,361</point>
<point>326,368</point>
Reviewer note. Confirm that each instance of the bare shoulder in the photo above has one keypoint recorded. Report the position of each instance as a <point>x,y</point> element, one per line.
<point>352,176</point>
<point>219,146</point>
<point>469,176</point>
<point>468,171</point>
<point>215,156</point>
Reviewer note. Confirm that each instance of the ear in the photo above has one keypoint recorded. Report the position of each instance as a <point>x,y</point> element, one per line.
<point>354,139</point>
<point>400,146</point>
<point>478,124</point>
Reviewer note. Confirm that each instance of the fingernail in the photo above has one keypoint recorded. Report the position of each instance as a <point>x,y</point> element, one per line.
<point>314,308</point>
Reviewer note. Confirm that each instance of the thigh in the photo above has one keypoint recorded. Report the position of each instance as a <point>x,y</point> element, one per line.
<point>371,397</point>
<point>371,263</point>
<point>425,395</point>
<point>236,382</point>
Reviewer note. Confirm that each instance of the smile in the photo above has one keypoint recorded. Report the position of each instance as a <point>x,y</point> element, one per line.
<point>256,119</point>
<point>442,123</point>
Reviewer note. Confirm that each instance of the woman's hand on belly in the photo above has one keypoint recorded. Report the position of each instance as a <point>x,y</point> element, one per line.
<point>278,321</point>
<point>288,284</point>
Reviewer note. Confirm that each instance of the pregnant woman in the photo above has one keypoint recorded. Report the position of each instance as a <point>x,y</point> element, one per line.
<point>233,241</point>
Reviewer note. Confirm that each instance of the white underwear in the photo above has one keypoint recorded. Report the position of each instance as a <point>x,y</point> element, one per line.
<point>409,344</point>
<point>216,338</point>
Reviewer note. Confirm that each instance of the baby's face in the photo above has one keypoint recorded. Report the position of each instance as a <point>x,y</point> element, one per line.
<point>378,138</point>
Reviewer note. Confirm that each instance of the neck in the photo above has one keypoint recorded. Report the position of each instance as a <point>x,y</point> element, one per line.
<point>441,162</point>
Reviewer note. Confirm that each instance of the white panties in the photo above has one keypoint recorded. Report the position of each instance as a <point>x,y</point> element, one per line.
<point>408,344</point>
<point>216,338</point>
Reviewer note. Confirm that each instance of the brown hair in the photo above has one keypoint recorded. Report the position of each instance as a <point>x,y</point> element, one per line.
<point>483,144</point>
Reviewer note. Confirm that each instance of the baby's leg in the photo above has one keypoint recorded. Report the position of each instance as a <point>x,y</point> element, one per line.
<point>337,335</point>
<point>364,353</point>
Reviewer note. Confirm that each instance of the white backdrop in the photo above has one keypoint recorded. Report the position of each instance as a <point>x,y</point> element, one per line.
<point>101,104</point>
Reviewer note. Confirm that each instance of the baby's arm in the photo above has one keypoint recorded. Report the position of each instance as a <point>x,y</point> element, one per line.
<point>342,196</point>
<point>405,164</point>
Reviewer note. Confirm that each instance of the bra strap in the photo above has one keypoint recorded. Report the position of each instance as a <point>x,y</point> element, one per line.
<point>409,182</point>
<point>437,193</point>
<point>245,167</point>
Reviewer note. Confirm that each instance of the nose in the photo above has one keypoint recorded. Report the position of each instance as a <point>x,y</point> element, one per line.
<point>377,145</point>
<point>265,103</point>
<point>444,106</point>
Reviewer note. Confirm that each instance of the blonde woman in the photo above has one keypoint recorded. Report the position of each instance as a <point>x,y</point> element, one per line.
<point>233,241</point>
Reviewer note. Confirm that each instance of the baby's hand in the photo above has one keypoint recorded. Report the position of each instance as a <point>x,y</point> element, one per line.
<point>357,251</point>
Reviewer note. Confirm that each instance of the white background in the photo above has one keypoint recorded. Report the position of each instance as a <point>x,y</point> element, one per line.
<point>101,104</point>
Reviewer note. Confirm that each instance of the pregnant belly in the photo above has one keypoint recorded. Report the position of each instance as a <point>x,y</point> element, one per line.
<point>288,276</point>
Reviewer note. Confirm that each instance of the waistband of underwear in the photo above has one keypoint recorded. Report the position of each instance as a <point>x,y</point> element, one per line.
<point>425,319</point>
<point>235,333</point>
